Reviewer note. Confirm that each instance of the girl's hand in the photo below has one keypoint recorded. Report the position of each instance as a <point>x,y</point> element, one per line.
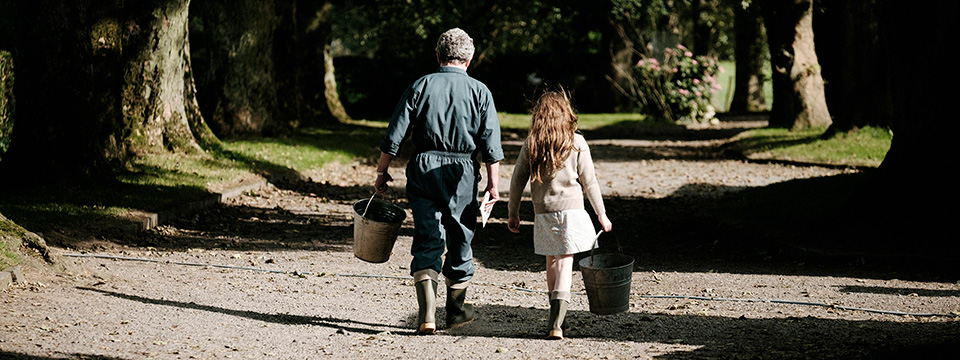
<point>605,223</point>
<point>513,223</point>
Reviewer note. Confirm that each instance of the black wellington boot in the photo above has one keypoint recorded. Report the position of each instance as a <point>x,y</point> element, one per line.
<point>427,299</point>
<point>458,313</point>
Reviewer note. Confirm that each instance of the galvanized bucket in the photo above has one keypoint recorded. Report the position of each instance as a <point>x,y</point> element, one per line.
<point>607,278</point>
<point>376,224</point>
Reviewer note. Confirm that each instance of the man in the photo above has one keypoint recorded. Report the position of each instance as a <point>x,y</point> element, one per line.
<point>451,119</point>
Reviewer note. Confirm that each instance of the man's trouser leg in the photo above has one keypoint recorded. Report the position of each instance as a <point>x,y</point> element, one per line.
<point>443,197</point>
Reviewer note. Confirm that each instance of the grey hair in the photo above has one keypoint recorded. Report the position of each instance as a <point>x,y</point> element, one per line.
<point>455,46</point>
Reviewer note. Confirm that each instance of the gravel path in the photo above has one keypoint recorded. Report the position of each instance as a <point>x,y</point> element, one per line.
<point>271,275</point>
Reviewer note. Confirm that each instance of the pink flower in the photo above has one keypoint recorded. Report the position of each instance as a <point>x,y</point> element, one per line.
<point>654,61</point>
<point>717,86</point>
<point>695,61</point>
<point>696,81</point>
<point>681,47</point>
<point>722,70</point>
<point>687,53</point>
<point>683,91</point>
<point>640,63</point>
<point>698,93</point>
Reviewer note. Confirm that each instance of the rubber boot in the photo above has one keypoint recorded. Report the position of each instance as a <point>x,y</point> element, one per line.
<point>458,313</point>
<point>427,299</point>
<point>558,310</point>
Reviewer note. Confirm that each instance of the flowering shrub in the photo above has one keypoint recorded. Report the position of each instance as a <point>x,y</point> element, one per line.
<point>680,88</point>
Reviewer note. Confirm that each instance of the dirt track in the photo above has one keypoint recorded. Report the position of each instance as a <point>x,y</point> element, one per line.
<point>294,290</point>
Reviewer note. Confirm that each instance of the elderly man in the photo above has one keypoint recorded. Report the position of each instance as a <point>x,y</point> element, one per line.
<point>451,119</point>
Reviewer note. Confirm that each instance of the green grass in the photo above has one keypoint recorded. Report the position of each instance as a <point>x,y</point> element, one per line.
<point>866,147</point>
<point>159,182</point>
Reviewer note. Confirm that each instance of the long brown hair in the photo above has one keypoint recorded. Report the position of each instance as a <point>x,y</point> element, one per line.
<point>552,129</point>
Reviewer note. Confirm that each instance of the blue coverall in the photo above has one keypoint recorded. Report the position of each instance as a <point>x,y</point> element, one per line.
<point>451,119</point>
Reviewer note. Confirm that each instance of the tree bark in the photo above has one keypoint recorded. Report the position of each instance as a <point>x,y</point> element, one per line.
<point>99,83</point>
<point>798,97</point>
<point>906,197</point>
<point>855,92</point>
<point>7,103</point>
<point>748,52</point>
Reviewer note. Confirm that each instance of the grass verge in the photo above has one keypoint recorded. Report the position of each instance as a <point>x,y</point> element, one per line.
<point>864,148</point>
<point>160,182</point>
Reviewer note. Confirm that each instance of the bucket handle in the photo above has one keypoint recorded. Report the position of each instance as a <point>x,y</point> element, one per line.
<point>593,248</point>
<point>368,204</point>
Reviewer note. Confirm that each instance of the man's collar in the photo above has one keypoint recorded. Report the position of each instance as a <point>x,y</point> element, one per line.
<point>451,69</point>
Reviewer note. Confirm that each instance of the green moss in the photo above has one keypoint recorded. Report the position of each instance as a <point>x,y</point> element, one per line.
<point>10,235</point>
<point>105,35</point>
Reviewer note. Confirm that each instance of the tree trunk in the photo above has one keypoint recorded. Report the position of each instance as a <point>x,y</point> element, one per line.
<point>703,32</point>
<point>155,80</point>
<point>6,101</point>
<point>851,60</point>
<point>622,61</point>
<point>329,74</point>
<point>798,98</point>
<point>305,72</point>
<point>907,195</point>
<point>748,52</point>
<point>235,72</point>
<point>99,82</point>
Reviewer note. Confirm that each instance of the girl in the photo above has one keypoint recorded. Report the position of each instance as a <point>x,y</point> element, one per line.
<point>556,161</point>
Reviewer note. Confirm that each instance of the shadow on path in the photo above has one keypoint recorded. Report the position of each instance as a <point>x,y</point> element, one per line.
<point>734,338</point>
<point>283,319</point>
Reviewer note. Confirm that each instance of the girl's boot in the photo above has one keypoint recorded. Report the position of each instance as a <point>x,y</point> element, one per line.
<point>558,310</point>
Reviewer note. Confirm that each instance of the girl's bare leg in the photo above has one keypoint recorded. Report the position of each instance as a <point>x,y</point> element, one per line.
<point>559,272</point>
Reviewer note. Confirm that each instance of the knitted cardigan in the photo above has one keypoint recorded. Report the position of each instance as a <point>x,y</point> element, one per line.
<point>562,190</point>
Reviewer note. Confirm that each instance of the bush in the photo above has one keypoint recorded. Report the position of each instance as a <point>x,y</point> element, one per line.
<point>679,88</point>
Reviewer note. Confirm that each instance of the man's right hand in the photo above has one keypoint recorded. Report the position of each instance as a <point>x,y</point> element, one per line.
<point>381,184</point>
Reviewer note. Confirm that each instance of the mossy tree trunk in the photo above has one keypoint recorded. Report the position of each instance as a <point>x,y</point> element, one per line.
<point>798,97</point>
<point>100,82</point>
<point>749,46</point>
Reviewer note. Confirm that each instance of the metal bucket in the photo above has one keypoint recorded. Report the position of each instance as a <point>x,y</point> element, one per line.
<point>375,229</point>
<point>607,280</point>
